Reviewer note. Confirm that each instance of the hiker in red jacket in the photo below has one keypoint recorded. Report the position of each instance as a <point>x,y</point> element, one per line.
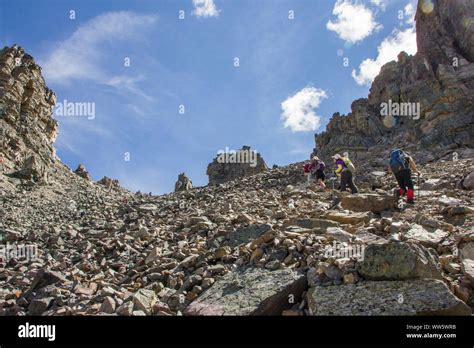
<point>315,171</point>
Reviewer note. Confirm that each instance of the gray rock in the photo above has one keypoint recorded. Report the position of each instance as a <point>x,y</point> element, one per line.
<point>398,261</point>
<point>412,297</point>
<point>467,251</point>
<point>467,267</point>
<point>368,202</point>
<point>338,234</point>
<point>39,306</point>
<point>144,300</point>
<point>108,306</point>
<point>425,236</point>
<point>318,224</point>
<point>247,234</point>
<point>250,292</point>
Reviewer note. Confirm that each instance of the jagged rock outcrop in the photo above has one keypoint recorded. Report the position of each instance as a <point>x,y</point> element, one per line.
<point>82,172</point>
<point>183,183</point>
<point>27,129</point>
<point>232,165</point>
<point>440,77</point>
<point>109,183</point>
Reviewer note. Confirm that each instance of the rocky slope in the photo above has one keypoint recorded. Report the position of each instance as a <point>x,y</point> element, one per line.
<point>199,251</point>
<point>251,243</point>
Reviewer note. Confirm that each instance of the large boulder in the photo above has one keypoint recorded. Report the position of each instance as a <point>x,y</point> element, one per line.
<point>429,238</point>
<point>312,223</point>
<point>395,260</point>
<point>373,202</point>
<point>467,182</point>
<point>347,218</point>
<point>250,292</point>
<point>413,297</point>
<point>247,234</point>
<point>33,169</point>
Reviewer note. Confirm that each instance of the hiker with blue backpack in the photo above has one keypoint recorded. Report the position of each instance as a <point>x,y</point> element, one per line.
<point>315,171</point>
<point>345,169</point>
<point>401,165</point>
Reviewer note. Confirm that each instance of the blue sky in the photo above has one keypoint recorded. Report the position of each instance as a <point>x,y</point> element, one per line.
<point>291,76</point>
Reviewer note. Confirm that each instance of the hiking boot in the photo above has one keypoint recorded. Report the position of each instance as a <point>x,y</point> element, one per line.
<point>411,201</point>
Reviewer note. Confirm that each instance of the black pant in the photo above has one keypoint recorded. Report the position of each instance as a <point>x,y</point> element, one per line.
<point>346,180</point>
<point>404,179</point>
<point>318,175</point>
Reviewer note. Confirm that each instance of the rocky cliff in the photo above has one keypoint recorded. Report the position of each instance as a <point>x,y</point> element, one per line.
<point>439,78</point>
<point>27,128</point>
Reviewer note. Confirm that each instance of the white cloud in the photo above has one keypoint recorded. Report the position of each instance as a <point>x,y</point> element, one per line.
<point>128,85</point>
<point>298,110</point>
<point>80,56</point>
<point>382,4</point>
<point>410,12</point>
<point>388,50</point>
<point>205,8</point>
<point>354,21</point>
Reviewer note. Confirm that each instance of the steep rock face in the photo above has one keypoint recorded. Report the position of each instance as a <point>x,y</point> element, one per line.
<point>26,126</point>
<point>439,78</point>
<point>230,166</point>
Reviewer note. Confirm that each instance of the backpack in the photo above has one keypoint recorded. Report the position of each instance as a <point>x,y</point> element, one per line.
<point>322,166</point>
<point>349,165</point>
<point>398,160</point>
<point>307,167</point>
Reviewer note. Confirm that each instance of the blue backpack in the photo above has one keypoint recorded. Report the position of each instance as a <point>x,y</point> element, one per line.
<point>398,160</point>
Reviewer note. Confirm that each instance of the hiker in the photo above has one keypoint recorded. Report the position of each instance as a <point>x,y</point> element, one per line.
<point>344,170</point>
<point>316,172</point>
<point>401,165</point>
